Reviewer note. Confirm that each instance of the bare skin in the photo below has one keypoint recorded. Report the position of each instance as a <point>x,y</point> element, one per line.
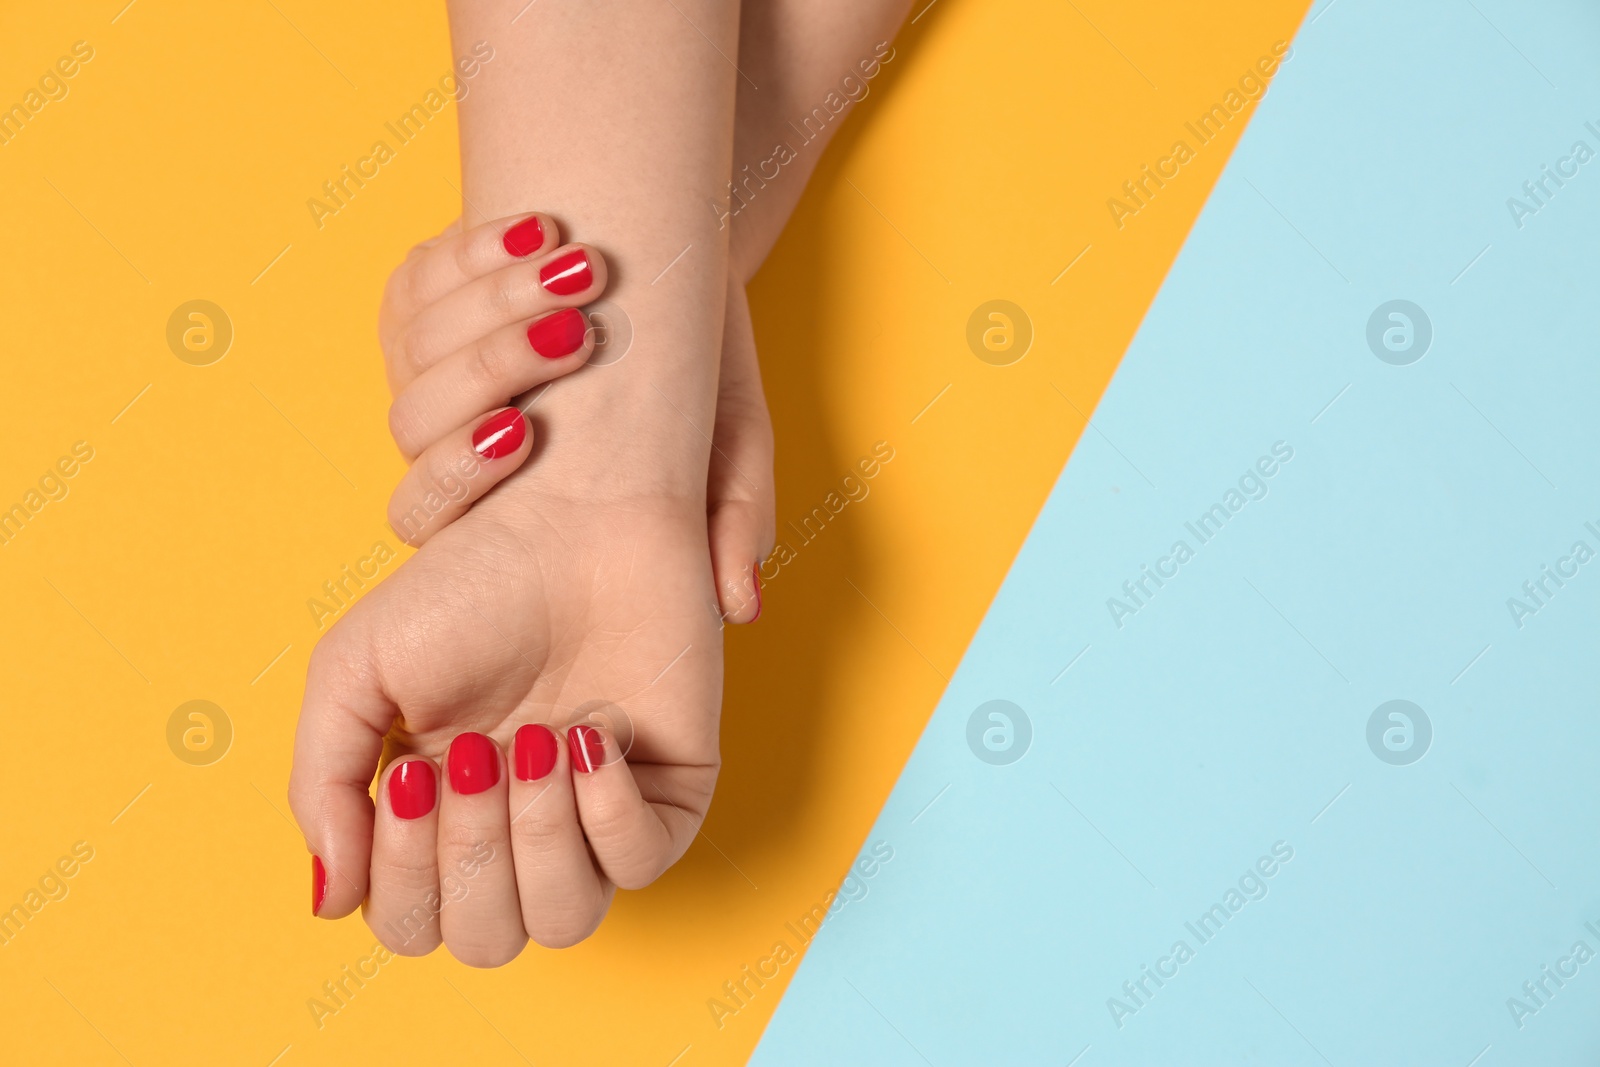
<point>585,581</point>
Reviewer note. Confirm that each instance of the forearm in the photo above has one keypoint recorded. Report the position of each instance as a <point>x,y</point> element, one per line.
<point>617,118</point>
<point>808,57</point>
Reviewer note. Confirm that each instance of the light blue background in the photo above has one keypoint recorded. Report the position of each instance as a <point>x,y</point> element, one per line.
<point>1229,712</point>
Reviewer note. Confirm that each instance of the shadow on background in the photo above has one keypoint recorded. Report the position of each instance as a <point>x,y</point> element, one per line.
<point>780,671</point>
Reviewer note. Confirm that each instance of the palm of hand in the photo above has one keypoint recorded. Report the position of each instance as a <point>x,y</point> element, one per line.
<point>599,610</point>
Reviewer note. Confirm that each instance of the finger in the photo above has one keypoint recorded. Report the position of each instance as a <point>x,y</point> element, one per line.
<point>740,489</point>
<point>337,743</point>
<point>633,839</point>
<point>451,475</point>
<point>570,276</point>
<point>488,373</point>
<point>481,917</point>
<point>563,896</point>
<point>445,263</point>
<point>403,900</point>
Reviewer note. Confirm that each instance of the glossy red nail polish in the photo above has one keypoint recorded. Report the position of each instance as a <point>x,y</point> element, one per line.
<point>755,575</point>
<point>474,764</point>
<point>558,335</point>
<point>500,435</point>
<point>587,747</point>
<point>412,789</point>
<point>525,238</point>
<point>567,274</point>
<point>319,884</point>
<point>535,751</point>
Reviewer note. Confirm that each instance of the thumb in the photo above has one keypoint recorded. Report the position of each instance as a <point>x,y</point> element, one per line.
<point>739,491</point>
<point>337,744</point>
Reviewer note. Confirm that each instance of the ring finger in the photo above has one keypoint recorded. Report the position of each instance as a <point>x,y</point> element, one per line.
<point>563,896</point>
<point>487,373</point>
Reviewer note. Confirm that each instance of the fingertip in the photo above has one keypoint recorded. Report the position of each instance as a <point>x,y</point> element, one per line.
<point>590,747</point>
<point>735,564</point>
<point>560,334</point>
<point>527,235</point>
<point>411,788</point>
<point>503,435</point>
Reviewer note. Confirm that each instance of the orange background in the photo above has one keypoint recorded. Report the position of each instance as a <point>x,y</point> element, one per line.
<point>179,564</point>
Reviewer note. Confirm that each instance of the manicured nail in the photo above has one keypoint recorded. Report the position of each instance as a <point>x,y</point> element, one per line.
<point>558,335</point>
<point>500,435</point>
<point>474,764</point>
<point>568,274</point>
<point>755,575</point>
<point>319,884</point>
<point>412,789</point>
<point>525,238</point>
<point>588,748</point>
<point>535,750</point>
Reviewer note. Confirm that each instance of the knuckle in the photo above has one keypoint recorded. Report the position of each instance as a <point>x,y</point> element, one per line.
<point>565,928</point>
<point>461,842</point>
<point>504,294</point>
<point>404,425</point>
<point>496,953</point>
<point>635,873</point>
<point>463,256</point>
<point>608,822</point>
<point>486,365</point>
<point>409,279</point>
<point>536,835</point>
<point>404,873</point>
<point>409,933</point>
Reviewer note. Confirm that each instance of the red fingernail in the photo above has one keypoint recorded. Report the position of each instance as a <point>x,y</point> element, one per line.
<point>525,238</point>
<point>319,884</point>
<point>567,275</point>
<point>558,335</point>
<point>500,435</point>
<point>588,748</point>
<point>412,788</point>
<point>755,573</point>
<point>535,750</point>
<point>474,764</point>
